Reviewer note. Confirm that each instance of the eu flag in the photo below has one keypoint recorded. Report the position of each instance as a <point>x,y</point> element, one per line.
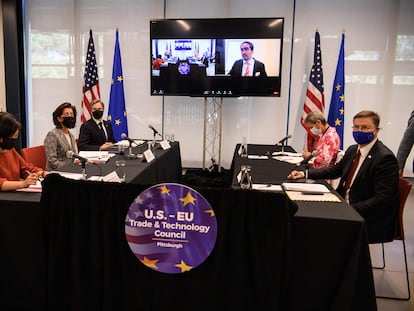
<point>116,111</point>
<point>336,108</point>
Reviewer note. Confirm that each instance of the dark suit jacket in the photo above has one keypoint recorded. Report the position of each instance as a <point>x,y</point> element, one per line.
<point>374,192</point>
<point>90,135</point>
<point>258,69</point>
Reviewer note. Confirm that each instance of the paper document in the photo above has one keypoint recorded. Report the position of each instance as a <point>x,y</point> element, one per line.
<point>75,176</point>
<point>96,156</point>
<point>289,159</point>
<point>125,143</point>
<point>302,196</point>
<point>288,154</point>
<point>257,157</point>
<point>32,188</point>
<point>267,187</point>
<point>305,187</point>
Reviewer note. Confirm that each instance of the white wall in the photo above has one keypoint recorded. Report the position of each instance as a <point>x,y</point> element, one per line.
<point>371,28</point>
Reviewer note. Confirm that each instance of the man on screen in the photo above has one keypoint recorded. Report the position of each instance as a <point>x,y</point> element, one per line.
<point>247,66</point>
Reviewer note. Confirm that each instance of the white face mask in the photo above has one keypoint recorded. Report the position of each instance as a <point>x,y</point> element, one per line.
<point>316,131</point>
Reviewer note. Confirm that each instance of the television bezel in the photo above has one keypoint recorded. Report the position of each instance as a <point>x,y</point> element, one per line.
<point>220,29</point>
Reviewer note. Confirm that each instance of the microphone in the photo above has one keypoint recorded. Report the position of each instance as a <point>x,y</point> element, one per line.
<point>70,154</point>
<point>124,136</point>
<point>280,142</point>
<point>306,160</point>
<point>155,131</point>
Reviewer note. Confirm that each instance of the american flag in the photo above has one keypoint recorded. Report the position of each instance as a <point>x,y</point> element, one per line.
<point>90,87</point>
<point>337,106</point>
<point>315,97</point>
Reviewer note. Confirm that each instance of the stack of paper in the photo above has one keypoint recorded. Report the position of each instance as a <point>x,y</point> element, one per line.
<point>309,192</point>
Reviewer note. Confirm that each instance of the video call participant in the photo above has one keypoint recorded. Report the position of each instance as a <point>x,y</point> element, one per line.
<point>372,190</point>
<point>96,134</point>
<point>60,140</point>
<point>247,66</point>
<point>15,172</point>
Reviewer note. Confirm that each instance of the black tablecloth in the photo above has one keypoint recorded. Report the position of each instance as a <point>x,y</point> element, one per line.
<point>69,253</point>
<point>90,265</point>
<point>165,167</point>
<point>331,260</point>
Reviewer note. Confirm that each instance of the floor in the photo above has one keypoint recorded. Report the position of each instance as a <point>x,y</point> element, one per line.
<point>392,280</point>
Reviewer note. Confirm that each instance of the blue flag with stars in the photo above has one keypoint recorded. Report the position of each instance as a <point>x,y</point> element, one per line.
<point>337,106</point>
<point>116,111</point>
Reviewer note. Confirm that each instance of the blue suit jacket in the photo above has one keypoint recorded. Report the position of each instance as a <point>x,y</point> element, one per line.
<point>374,192</point>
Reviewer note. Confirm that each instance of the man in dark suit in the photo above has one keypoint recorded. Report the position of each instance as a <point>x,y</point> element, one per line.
<point>372,190</point>
<point>247,66</point>
<point>96,133</point>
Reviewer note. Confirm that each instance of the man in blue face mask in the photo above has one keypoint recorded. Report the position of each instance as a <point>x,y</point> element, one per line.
<point>369,177</point>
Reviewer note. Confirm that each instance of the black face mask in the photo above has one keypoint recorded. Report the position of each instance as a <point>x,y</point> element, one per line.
<point>97,114</point>
<point>69,122</point>
<point>8,143</point>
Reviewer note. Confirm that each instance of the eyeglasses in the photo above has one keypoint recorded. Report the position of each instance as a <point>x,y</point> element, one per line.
<point>363,128</point>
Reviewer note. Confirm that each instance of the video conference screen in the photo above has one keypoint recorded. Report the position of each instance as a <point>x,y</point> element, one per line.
<point>216,57</point>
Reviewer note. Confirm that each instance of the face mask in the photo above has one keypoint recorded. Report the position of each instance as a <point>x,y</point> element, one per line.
<point>69,122</point>
<point>363,138</point>
<point>97,114</point>
<point>8,143</point>
<point>316,131</point>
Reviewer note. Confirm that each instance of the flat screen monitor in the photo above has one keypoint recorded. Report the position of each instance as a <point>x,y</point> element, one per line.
<point>207,57</point>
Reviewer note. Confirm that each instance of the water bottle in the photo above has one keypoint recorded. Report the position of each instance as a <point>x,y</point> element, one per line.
<point>246,177</point>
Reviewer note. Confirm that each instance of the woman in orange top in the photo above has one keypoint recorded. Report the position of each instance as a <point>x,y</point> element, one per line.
<point>15,172</point>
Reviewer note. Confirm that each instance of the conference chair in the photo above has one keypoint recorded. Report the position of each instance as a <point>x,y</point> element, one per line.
<point>35,155</point>
<point>404,187</point>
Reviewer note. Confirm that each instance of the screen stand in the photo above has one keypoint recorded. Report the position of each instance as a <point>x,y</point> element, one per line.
<point>212,133</point>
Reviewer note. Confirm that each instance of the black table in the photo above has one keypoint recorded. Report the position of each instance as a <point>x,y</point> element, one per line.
<point>165,167</point>
<point>331,260</point>
<point>23,247</point>
<point>264,259</point>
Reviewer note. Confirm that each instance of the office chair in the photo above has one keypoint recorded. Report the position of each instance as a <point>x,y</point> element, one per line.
<point>35,155</point>
<point>404,188</point>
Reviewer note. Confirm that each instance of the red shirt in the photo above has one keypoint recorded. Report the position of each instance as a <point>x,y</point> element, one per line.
<point>13,167</point>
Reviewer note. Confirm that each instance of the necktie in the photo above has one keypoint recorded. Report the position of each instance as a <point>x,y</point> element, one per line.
<point>102,130</point>
<point>352,171</point>
<point>247,71</point>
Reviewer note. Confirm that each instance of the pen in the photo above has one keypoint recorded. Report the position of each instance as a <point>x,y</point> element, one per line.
<point>30,173</point>
<point>312,193</point>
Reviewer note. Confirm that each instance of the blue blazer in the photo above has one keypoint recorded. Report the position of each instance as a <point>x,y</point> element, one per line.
<point>374,192</point>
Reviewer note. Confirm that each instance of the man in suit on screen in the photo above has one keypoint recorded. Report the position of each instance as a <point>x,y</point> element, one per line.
<point>247,66</point>
<point>369,177</point>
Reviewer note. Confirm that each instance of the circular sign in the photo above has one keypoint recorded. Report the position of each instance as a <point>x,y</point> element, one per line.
<point>171,228</point>
<point>184,68</point>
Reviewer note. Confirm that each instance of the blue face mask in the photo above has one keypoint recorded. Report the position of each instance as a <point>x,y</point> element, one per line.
<point>363,138</point>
